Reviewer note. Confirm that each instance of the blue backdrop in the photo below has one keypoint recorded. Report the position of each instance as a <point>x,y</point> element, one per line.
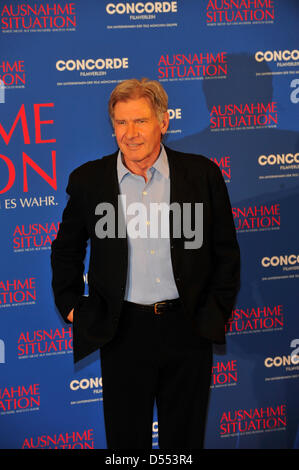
<point>230,68</point>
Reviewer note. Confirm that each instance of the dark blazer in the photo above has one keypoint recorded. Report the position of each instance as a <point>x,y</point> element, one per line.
<point>207,278</point>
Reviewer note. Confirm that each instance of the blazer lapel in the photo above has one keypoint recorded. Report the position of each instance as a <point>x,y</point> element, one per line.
<point>184,187</point>
<point>107,188</point>
<point>107,191</point>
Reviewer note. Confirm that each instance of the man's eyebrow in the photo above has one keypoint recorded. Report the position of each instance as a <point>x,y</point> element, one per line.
<point>136,119</point>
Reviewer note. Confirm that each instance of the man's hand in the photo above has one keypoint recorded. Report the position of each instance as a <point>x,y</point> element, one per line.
<point>70,316</point>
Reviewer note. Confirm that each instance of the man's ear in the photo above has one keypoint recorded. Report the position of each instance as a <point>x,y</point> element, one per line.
<point>164,123</point>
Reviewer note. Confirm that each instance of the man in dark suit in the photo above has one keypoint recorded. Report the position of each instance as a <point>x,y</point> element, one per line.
<point>156,302</point>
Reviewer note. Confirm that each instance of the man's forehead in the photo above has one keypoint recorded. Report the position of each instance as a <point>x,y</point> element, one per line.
<point>132,106</point>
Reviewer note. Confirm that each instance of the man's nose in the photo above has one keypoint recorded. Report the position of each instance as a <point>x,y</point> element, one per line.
<point>132,130</point>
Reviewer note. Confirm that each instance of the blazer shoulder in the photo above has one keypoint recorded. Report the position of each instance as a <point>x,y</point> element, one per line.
<point>93,168</point>
<point>193,161</point>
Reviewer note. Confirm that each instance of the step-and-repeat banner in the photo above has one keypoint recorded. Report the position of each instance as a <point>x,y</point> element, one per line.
<point>231,70</point>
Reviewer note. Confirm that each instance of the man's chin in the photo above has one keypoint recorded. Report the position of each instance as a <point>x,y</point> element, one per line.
<point>134,155</point>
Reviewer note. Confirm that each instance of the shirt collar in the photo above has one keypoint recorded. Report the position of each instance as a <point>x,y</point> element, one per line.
<point>161,165</point>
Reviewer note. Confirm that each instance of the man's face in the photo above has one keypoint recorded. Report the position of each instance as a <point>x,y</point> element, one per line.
<point>138,130</point>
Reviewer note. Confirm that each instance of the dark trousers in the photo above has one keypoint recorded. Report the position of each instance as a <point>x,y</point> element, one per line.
<point>155,357</point>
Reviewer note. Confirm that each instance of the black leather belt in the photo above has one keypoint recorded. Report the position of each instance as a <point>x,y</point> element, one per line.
<point>157,308</point>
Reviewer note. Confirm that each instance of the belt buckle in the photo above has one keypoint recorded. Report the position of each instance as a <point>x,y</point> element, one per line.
<point>155,307</point>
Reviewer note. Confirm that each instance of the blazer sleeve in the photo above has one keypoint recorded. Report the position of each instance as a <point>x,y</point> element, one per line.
<point>225,281</point>
<point>68,251</point>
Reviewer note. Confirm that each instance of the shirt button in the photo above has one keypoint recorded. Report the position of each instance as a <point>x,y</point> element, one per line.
<point>147,222</point>
<point>157,279</point>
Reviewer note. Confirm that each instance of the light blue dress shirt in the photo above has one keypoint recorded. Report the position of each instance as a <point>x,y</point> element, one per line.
<point>150,276</point>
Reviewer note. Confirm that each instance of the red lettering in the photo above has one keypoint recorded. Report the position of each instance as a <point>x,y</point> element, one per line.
<point>51,181</point>
<point>11,173</point>
<point>22,116</point>
<point>38,122</point>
